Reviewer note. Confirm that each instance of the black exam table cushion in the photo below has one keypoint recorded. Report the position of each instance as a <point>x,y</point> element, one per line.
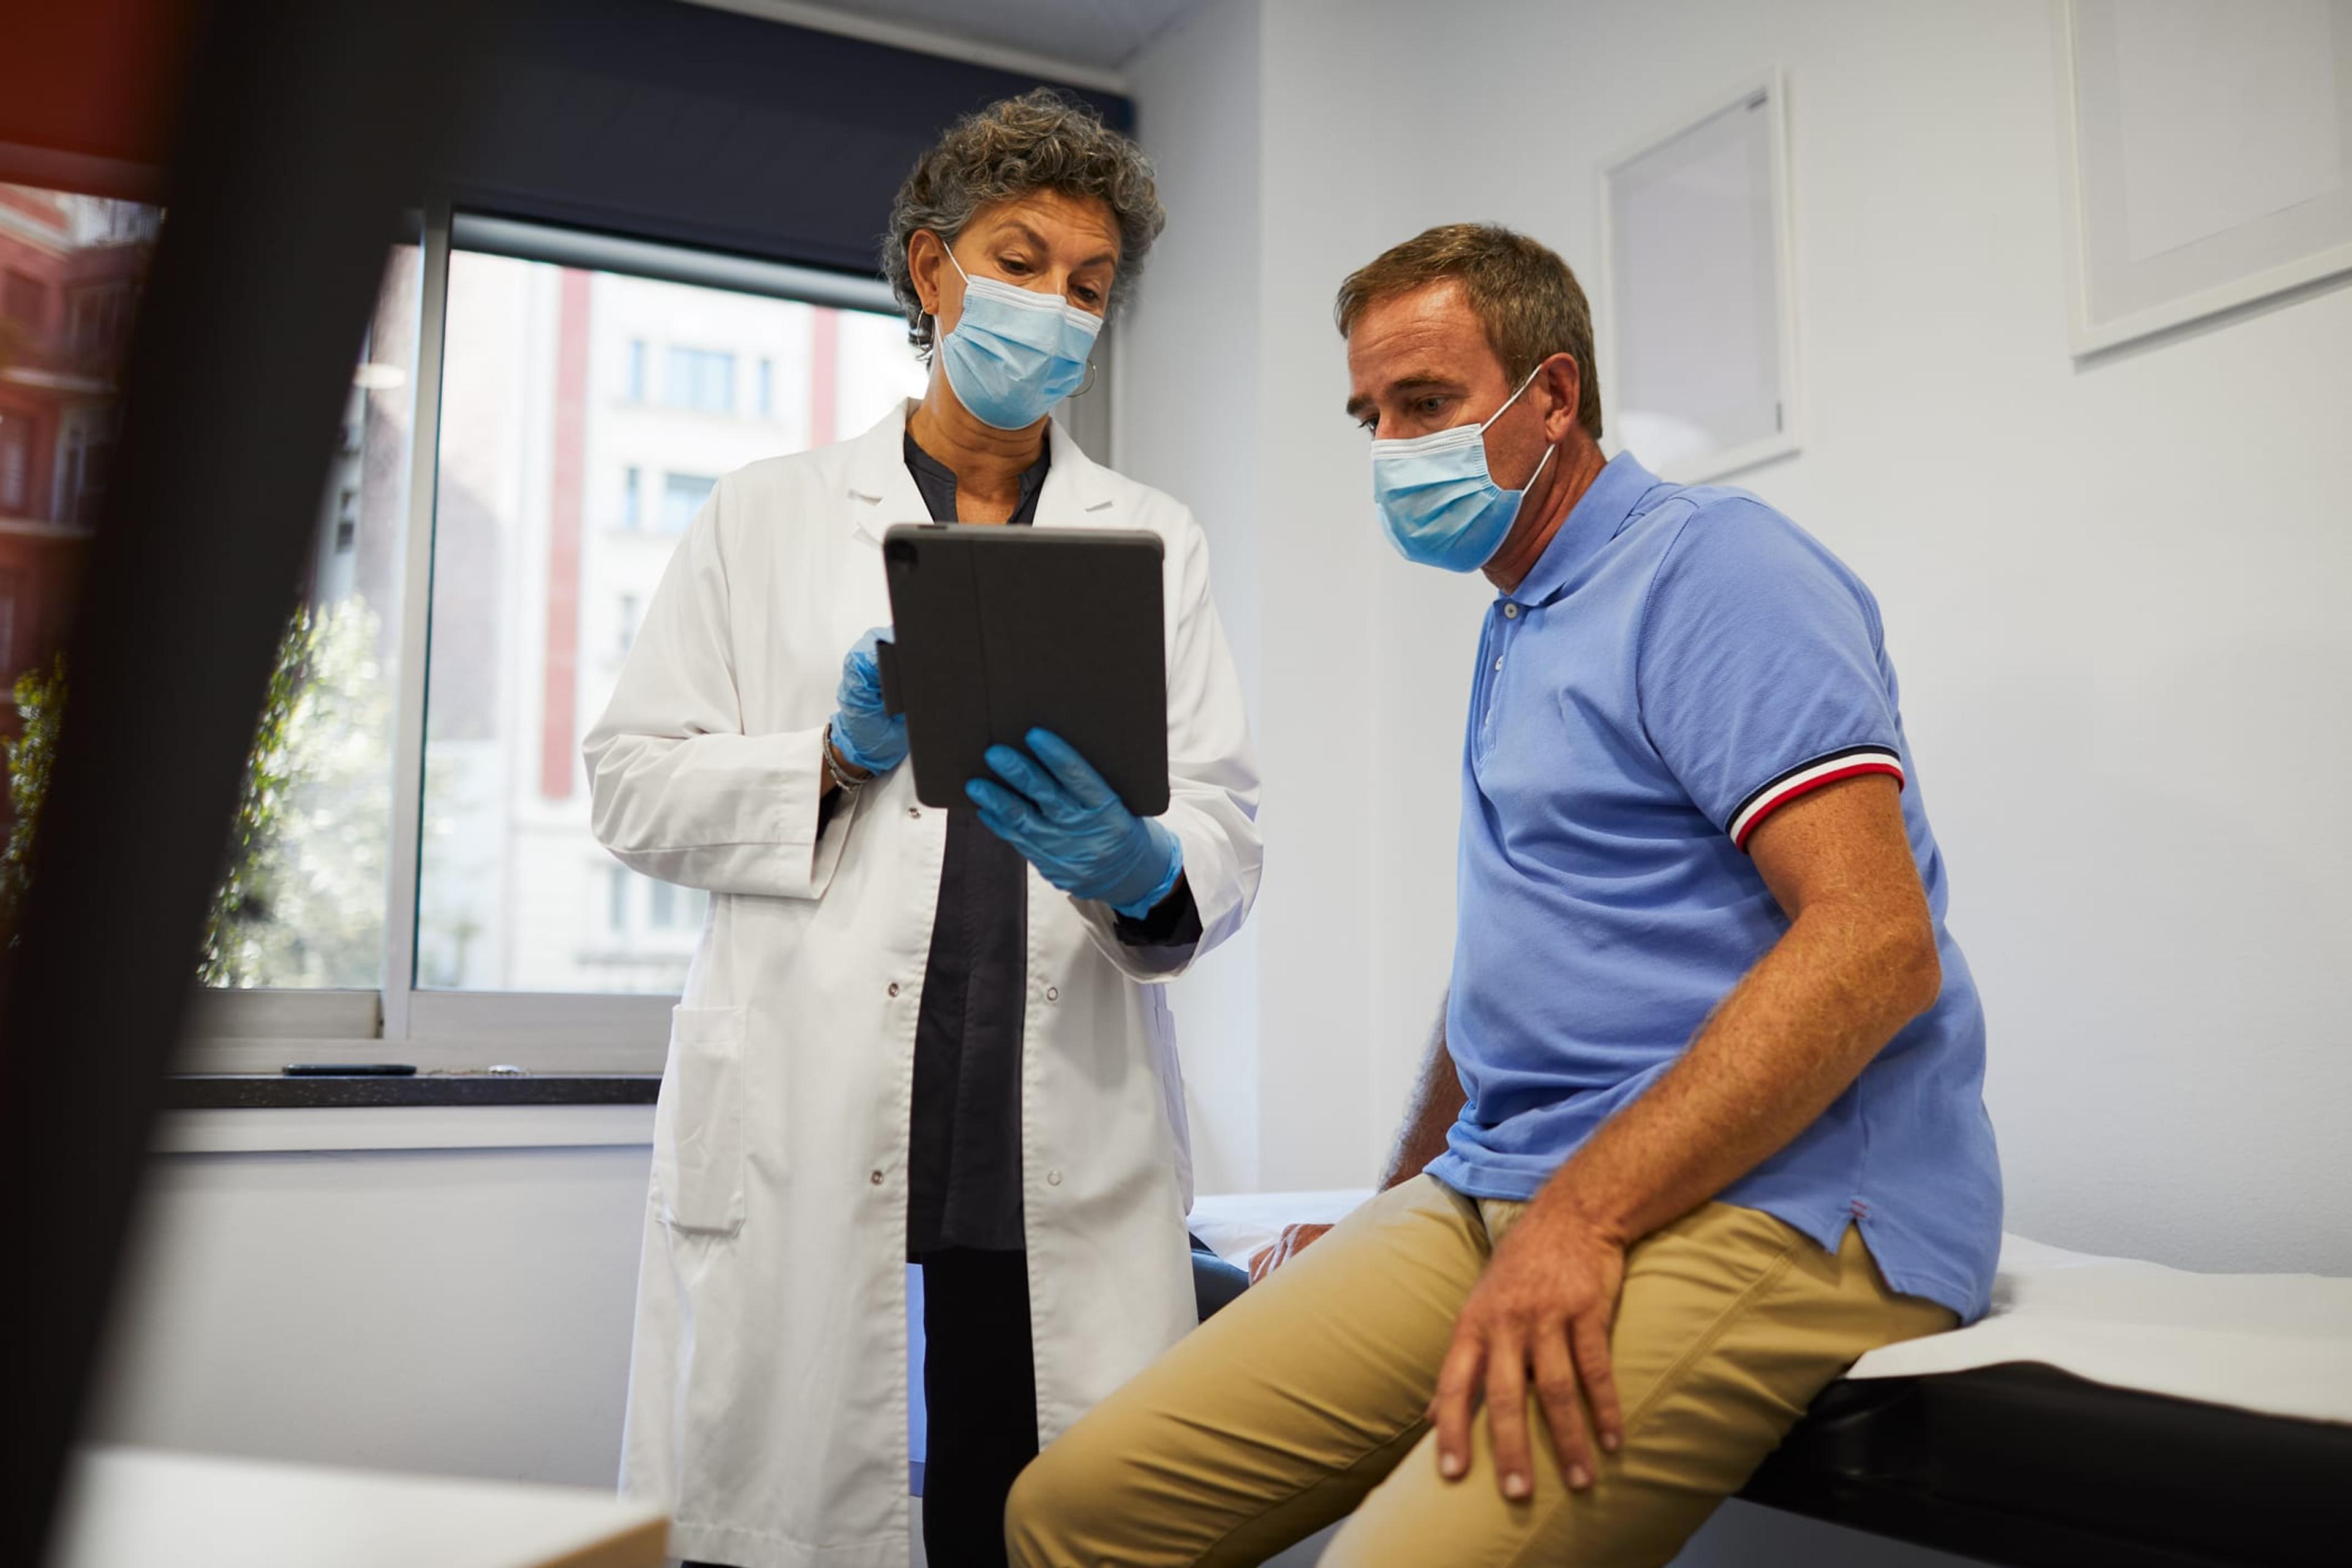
<point>2026,1464</point>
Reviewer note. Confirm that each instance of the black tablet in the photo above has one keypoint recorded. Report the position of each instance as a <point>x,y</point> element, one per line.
<point>1000,630</point>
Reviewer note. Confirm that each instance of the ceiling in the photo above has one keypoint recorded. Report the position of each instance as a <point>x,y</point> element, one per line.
<point>1102,34</point>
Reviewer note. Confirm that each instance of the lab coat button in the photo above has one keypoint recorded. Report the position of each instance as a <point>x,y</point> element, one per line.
<point>875,1177</point>
<point>894,988</point>
<point>916,812</point>
<point>1053,994</point>
<point>1053,1178</point>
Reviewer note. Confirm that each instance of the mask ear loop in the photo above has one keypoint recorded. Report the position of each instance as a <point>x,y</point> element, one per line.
<point>1508,401</point>
<point>1089,384</point>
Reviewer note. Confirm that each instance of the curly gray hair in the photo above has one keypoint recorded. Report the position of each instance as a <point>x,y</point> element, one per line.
<point>1041,141</point>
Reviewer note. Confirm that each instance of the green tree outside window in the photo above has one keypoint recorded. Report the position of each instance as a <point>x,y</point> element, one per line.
<point>300,901</point>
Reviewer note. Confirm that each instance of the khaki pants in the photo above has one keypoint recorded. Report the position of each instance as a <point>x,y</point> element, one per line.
<point>1302,1403</point>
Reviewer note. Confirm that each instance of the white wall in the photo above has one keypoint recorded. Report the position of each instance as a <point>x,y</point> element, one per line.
<point>456,1311</point>
<point>1200,289</point>
<point>2116,593</point>
<point>1230,399</point>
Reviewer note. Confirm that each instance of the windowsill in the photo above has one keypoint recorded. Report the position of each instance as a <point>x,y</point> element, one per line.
<point>271,1091</point>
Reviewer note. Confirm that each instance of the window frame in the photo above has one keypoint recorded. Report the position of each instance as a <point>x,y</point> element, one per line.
<point>261,1030</point>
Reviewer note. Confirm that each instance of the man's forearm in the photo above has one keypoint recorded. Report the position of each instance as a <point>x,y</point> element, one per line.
<point>1436,1102</point>
<point>1788,1040</point>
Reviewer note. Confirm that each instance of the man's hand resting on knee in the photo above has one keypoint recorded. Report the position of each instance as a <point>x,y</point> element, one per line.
<point>1857,962</point>
<point>1541,1312</point>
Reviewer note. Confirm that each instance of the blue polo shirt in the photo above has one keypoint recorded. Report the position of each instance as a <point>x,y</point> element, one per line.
<point>1678,664</point>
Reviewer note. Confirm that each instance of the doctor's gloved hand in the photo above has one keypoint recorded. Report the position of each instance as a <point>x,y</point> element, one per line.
<point>1073,828</point>
<point>868,738</point>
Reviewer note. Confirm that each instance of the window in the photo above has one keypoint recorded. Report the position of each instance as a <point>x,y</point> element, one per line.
<point>320,923</point>
<point>304,903</point>
<point>533,606</point>
<point>25,299</point>
<point>767,389</point>
<point>440,896</point>
<point>699,379</point>
<point>682,497</point>
<point>101,319</point>
<point>15,464</point>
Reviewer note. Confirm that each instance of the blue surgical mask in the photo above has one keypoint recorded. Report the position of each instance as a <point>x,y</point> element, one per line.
<point>1437,502</point>
<point>1014,353</point>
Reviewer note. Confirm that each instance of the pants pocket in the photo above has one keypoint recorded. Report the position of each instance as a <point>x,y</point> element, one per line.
<point>699,1124</point>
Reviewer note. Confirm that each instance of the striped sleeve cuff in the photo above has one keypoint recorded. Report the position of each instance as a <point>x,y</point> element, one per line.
<point>1806,777</point>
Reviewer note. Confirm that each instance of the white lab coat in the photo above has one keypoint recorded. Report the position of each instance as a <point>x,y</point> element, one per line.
<point>768,1381</point>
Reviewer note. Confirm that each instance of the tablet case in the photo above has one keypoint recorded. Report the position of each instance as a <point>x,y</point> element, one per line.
<point>997,630</point>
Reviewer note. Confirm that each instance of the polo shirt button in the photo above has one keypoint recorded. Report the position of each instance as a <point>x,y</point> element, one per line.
<point>1053,1178</point>
<point>894,988</point>
<point>1510,611</point>
<point>1498,664</point>
<point>1052,994</point>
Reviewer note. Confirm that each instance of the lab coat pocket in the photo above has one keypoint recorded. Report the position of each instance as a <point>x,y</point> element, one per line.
<point>698,1128</point>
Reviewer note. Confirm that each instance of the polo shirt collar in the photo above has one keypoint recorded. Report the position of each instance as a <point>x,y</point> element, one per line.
<point>1599,516</point>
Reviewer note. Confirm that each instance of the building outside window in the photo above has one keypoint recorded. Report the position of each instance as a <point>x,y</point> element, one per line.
<point>634,382</point>
<point>522,659</point>
<point>632,479</point>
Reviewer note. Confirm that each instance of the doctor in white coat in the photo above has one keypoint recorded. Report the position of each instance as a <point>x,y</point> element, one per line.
<point>908,1032</point>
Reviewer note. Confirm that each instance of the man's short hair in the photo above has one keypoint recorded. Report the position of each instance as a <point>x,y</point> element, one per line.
<point>1522,293</point>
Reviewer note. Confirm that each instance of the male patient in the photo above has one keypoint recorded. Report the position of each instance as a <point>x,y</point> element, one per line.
<point>1703,1122</point>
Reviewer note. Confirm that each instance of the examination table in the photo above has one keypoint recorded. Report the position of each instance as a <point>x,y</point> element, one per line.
<point>2107,1413</point>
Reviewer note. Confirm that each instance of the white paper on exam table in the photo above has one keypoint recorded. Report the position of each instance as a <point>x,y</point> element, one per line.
<point>2277,1344</point>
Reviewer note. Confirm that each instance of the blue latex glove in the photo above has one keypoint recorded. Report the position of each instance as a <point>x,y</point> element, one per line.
<point>868,738</point>
<point>1073,828</point>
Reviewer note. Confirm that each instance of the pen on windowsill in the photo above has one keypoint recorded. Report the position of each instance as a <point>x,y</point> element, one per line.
<point>349,1069</point>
